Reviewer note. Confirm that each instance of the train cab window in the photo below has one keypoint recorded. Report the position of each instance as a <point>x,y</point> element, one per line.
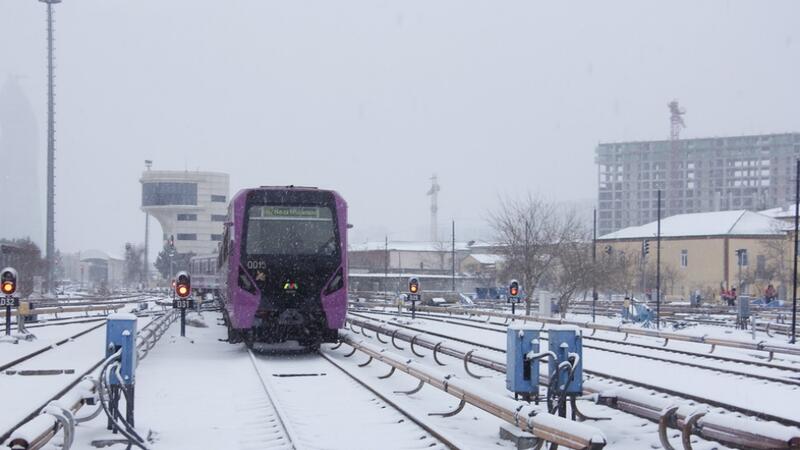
<point>291,230</point>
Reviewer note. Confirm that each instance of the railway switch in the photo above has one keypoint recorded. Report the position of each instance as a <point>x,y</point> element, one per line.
<point>565,344</point>
<point>121,335</point>
<point>522,363</point>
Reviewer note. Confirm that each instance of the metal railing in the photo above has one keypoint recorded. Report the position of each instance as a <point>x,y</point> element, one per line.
<point>536,421</point>
<point>739,432</point>
<point>60,413</point>
<point>632,330</point>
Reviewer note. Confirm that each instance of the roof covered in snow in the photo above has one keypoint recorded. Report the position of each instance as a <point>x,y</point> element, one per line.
<point>717,223</point>
<point>781,212</point>
<point>408,246</point>
<point>488,258</point>
<point>97,254</point>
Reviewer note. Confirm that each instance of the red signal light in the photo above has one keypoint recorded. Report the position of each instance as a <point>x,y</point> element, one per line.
<point>8,287</point>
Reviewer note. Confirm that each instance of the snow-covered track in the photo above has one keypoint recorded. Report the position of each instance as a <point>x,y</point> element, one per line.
<point>319,405</point>
<point>281,430</point>
<point>28,356</point>
<point>770,348</point>
<point>147,337</point>
<point>789,372</point>
<point>649,401</point>
<point>441,437</point>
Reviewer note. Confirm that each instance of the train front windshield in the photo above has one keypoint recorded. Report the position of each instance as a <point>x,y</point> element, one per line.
<point>291,231</point>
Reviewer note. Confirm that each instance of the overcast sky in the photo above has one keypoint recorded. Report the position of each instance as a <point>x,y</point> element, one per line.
<point>372,97</point>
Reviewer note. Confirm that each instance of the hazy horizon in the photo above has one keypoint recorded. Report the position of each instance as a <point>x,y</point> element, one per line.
<point>371,99</point>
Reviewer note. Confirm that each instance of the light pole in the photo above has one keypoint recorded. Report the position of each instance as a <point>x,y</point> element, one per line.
<point>51,149</point>
<point>147,164</point>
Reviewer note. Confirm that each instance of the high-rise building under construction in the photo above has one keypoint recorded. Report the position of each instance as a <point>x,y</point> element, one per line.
<point>695,175</point>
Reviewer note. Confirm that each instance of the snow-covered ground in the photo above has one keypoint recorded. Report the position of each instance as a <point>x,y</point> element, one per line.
<point>200,392</point>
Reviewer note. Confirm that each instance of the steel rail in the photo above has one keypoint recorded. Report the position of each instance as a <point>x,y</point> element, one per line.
<point>283,421</point>
<point>716,426</point>
<point>714,403</point>
<point>443,439</point>
<point>39,431</point>
<point>759,346</point>
<point>535,421</point>
<point>64,309</point>
<point>451,319</point>
<point>776,379</point>
<point>24,358</point>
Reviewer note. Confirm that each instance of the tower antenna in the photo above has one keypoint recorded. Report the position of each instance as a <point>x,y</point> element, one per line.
<point>434,193</point>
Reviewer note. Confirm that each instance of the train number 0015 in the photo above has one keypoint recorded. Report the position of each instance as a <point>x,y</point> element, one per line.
<point>256,264</point>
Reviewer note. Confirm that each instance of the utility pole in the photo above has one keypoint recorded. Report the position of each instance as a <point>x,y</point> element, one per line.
<point>526,279</point>
<point>453,255</point>
<point>51,148</point>
<point>658,265</point>
<point>386,265</point>
<point>147,164</point>
<point>594,263</point>
<point>794,272</point>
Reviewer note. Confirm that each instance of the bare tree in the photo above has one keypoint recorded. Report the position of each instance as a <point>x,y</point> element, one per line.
<point>573,270</point>
<point>530,232</point>
<point>616,271</point>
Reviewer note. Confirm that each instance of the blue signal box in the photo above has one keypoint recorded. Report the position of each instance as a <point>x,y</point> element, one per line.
<point>522,373</point>
<point>121,334</point>
<point>563,341</point>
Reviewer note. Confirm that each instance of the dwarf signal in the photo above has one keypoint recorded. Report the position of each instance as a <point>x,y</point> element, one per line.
<point>183,285</point>
<point>413,285</point>
<point>513,290</point>
<point>513,294</point>
<point>8,281</point>
<point>183,289</point>
<point>8,286</point>
<point>414,294</point>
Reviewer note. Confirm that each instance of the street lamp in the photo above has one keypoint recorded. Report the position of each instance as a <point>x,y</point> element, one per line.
<point>148,163</point>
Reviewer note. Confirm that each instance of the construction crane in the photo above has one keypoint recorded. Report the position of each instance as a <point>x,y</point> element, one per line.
<point>674,184</point>
<point>675,120</point>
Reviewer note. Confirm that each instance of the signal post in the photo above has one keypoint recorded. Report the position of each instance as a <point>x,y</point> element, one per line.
<point>513,295</point>
<point>413,294</point>
<point>8,286</point>
<point>183,299</point>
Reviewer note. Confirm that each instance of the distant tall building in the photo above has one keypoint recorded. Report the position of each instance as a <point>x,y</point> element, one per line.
<point>190,206</point>
<point>706,174</point>
<point>19,179</point>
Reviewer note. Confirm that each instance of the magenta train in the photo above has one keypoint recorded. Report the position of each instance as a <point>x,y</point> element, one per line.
<point>283,264</point>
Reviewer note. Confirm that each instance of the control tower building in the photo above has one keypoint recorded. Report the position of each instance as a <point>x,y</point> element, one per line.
<point>190,206</point>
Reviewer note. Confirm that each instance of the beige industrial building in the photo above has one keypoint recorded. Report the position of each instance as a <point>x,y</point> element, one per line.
<point>702,252</point>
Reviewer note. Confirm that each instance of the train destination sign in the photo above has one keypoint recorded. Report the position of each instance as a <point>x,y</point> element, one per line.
<point>290,212</point>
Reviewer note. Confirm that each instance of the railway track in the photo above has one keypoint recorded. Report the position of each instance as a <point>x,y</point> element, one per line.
<point>790,366</point>
<point>147,337</point>
<point>70,339</point>
<point>627,381</point>
<point>307,390</point>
